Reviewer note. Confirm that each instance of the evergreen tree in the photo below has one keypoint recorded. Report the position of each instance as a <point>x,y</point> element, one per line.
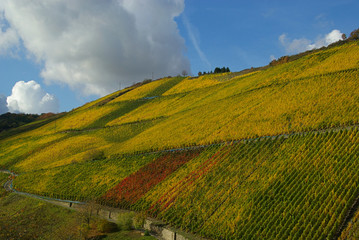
<point>217,70</point>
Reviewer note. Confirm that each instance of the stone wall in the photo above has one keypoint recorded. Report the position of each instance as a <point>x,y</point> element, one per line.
<point>164,232</point>
<point>161,230</point>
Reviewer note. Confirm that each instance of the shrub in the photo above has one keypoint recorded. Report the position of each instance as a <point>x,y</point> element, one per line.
<point>107,227</point>
<point>125,220</point>
<point>147,233</point>
<point>139,220</point>
<point>94,154</point>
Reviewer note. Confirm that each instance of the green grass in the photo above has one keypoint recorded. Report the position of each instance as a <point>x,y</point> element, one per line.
<point>128,235</point>
<point>26,218</point>
<point>3,179</point>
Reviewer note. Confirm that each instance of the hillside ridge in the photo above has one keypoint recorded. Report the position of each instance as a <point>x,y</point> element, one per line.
<point>268,153</point>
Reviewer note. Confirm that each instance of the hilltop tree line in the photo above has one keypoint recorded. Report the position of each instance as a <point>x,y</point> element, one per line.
<point>14,120</point>
<point>216,70</point>
<point>354,36</point>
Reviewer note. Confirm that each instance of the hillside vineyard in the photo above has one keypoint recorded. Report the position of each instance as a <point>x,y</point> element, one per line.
<point>270,153</point>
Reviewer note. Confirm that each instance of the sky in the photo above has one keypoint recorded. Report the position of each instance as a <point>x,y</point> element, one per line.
<point>56,55</point>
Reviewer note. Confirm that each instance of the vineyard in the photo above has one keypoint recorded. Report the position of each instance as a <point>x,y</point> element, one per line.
<point>299,186</point>
<point>269,153</point>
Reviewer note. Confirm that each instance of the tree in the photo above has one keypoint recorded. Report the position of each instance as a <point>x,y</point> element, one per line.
<point>281,60</point>
<point>184,73</point>
<point>199,73</point>
<point>354,35</point>
<point>217,70</point>
<point>86,216</point>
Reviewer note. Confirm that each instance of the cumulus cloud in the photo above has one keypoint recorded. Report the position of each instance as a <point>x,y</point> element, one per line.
<point>91,45</point>
<point>304,44</point>
<point>29,97</point>
<point>3,107</point>
<point>295,45</point>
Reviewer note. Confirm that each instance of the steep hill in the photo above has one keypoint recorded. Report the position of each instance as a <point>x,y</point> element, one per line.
<point>269,153</point>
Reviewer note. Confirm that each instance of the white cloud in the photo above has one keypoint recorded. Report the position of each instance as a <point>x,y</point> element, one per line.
<point>91,45</point>
<point>333,36</point>
<point>303,44</point>
<point>9,40</point>
<point>3,107</point>
<point>29,97</point>
<point>296,45</point>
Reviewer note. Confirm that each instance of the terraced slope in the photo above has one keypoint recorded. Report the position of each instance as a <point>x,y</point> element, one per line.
<point>298,185</point>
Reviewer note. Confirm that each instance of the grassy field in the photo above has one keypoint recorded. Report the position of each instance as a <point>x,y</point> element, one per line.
<point>25,218</point>
<point>28,218</point>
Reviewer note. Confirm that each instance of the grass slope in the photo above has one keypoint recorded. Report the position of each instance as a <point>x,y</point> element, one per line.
<point>28,218</point>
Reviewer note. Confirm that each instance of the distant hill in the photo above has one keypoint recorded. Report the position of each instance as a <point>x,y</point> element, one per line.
<point>265,153</point>
<point>13,120</point>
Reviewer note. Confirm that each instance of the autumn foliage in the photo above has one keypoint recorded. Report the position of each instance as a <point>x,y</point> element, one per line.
<point>133,187</point>
<point>270,153</point>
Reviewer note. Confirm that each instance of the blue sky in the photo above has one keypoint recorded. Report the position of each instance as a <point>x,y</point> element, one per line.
<point>242,34</point>
<point>235,34</point>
